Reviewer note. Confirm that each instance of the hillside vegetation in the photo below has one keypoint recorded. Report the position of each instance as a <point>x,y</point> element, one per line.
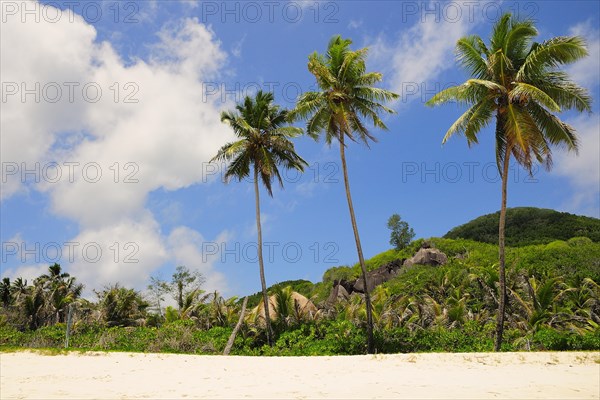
<point>553,304</point>
<point>527,226</point>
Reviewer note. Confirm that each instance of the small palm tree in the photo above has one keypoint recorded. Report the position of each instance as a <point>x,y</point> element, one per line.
<point>60,289</point>
<point>33,305</point>
<point>517,83</point>
<point>190,304</point>
<point>121,306</point>
<point>347,96</point>
<point>264,143</point>
<point>19,289</point>
<point>5,292</point>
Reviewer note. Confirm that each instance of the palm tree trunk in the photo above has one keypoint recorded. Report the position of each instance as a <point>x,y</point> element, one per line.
<point>502,267</point>
<point>236,329</point>
<point>261,266</point>
<point>370,341</point>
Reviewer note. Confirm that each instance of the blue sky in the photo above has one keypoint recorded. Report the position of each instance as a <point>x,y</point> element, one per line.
<point>114,108</point>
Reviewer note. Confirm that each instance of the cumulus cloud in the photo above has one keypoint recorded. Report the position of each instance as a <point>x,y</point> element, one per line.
<point>415,59</point>
<point>127,129</point>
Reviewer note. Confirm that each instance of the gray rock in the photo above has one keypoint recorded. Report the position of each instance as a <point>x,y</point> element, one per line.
<point>378,276</point>
<point>427,256</point>
<point>338,293</point>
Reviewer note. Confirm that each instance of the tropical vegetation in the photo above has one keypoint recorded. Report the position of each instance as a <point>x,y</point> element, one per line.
<point>537,289</point>
<point>553,303</point>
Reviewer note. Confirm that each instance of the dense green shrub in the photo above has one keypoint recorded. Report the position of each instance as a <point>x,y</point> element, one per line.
<point>552,339</point>
<point>473,337</point>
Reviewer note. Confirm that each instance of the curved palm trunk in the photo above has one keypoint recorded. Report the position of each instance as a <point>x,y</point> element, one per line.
<point>370,341</point>
<point>231,340</point>
<point>501,267</point>
<point>260,261</point>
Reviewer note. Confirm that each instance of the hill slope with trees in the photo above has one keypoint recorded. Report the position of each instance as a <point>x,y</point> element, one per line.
<point>527,226</point>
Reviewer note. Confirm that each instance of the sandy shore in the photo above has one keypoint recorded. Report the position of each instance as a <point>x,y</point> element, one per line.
<point>440,376</point>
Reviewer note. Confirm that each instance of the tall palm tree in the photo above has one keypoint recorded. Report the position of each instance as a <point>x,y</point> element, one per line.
<point>263,145</point>
<point>346,97</point>
<point>517,82</point>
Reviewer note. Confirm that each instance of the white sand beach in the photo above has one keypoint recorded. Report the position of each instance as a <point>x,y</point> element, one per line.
<point>550,375</point>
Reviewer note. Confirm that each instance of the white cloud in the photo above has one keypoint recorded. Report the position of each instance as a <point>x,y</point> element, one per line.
<point>236,49</point>
<point>40,54</point>
<point>126,252</point>
<point>189,248</point>
<point>26,272</point>
<point>416,58</point>
<point>190,49</point>
<point>190,4</point>
<point>355,24</point>
<point>585,72</point>
<point>307,188</point>
<point>583,171</point>
<point>159,140</point>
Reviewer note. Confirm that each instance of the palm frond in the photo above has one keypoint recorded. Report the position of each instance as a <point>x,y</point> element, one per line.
<point>550,54</point>
<point>346,94</point>
<point>472,121</point>
<point>470,51</point>
<point>523,93</point>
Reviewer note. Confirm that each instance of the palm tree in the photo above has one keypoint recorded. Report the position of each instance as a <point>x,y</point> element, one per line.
<point>517,82</point>
<point>60,289</point>
<point>190,303</point>
<point>263,144</point>
<point>33,306</point>
<point>120,306</point>
<point>346,96</point>
<point>19,289</point>
<point>5,292</point>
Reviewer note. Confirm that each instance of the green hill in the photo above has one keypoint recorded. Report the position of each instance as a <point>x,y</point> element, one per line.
<point>540,242</point>
<point>527,226</point>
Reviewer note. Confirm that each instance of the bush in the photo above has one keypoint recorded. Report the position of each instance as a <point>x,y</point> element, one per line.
<point>551,339</point>
<point>321,338</point>
<point>557,245</point>
<point>11,337</point>
<point>579,241</point>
